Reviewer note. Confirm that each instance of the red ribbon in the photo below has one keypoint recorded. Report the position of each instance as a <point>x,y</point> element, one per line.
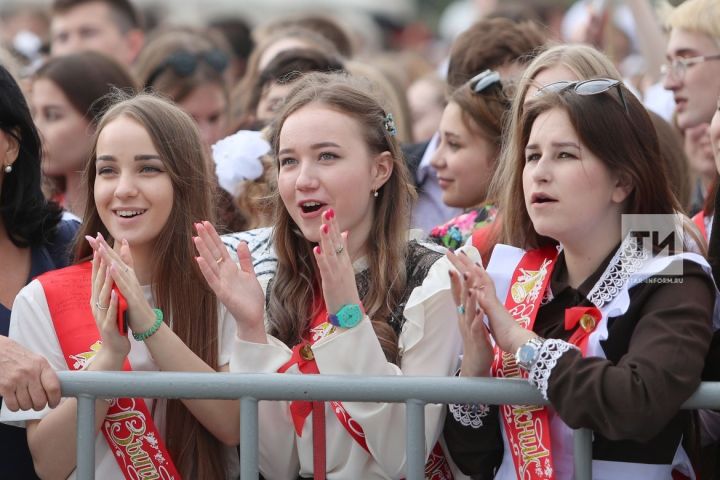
<point>300,409</point>
<point>584,320</point>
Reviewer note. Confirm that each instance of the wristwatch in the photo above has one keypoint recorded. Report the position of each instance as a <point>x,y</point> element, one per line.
<point>528,353</point>
<point>348,316</point>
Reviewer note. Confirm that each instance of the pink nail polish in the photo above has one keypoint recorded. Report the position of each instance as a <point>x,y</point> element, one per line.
<point>330,214</point>
<point>317,250</point>
<point>325,228</point>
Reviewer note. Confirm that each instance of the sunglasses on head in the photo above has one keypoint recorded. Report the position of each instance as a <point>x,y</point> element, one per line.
<point>184,63</point>
<point>483,80</point>
<point>593,86</point>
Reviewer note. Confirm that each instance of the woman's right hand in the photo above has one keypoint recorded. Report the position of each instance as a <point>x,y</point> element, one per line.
<point>477,347</point>
<point>103,303</point>
<point>235,284</point>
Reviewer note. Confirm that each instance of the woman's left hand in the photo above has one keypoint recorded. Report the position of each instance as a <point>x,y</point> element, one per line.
<point>140,315</point>
<point>508,334</point>
<point>335,265</point>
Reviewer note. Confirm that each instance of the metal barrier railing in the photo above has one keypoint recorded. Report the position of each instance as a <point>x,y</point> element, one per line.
<point>415,392</point>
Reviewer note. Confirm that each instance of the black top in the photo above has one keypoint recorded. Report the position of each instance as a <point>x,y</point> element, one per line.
<point>15,459</point>
<point>655,352</point>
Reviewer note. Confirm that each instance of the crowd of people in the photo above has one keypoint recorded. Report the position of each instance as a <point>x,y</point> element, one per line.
<point>288,199</point>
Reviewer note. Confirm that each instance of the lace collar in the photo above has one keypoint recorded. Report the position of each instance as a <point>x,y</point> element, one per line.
<point>629,258</point>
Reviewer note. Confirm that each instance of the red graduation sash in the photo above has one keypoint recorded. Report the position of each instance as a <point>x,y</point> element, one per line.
<point>526,426</point>
<point>436,468</point>
<point>128,428</point>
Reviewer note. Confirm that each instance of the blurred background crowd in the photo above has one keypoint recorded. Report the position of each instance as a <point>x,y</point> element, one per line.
<point>227,63</point>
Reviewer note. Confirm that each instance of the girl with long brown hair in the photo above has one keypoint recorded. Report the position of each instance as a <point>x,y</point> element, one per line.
<point>610,328</point>
<point>336,287</point>
<point>147,181</point>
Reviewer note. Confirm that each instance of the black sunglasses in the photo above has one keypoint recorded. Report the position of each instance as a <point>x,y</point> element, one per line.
<point>483,80</point>
<point>184,63</point>
<point>586,87</point>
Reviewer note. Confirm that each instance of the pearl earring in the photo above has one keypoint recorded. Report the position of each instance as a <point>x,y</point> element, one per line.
<point>8,168</point>
<point>375,193</point>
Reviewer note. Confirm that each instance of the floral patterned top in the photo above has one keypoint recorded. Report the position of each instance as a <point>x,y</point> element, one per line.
<point>456,231</point>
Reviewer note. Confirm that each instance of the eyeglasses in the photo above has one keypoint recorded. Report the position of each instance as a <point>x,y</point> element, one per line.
<point>593,86</point>
<point>483,80</point>
<point>184,63</point>
<point>678,67</point>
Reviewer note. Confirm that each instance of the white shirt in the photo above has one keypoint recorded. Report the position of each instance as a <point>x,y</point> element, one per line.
<point>31,326</point>
<point>430,344</point>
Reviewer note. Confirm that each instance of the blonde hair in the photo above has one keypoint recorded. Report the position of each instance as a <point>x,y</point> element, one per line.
<point>701,16</point>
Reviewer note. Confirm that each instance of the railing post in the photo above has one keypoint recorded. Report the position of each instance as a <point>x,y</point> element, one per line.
<point>85,468</point>
<point>248,438</point>
<point>582,441</point>
<point>415,433</point>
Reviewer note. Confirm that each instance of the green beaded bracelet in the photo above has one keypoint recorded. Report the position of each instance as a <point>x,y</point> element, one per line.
<point>141,337</point>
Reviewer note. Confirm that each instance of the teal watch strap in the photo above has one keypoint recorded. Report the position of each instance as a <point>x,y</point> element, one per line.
<point>348,316</point>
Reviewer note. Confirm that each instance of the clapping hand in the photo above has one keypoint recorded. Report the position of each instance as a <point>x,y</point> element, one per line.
<point>121,269</point>
<point>235,284</point>
<point>474,293</point>
<point>104,304</point>
<point>335,265</point>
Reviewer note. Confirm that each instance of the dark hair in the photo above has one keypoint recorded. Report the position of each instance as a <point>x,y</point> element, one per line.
<point>123,13</point>
<point>239,97</point>
<point>487,110</point>
<point>27,216</point>
<point>624,140</point>
<point>176,61</point>
<point>86,78</point>
<point>491,43</point>
<point>290,65</point>
<point>322,24</point>
<point>238,34</point>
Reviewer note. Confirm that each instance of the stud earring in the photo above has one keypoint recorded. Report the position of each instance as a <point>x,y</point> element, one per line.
<point>8,168</point>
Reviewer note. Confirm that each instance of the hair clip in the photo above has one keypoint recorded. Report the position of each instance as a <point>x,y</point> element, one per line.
<point>389,124</point>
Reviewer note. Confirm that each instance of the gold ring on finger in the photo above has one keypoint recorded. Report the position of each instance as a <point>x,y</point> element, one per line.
<point>219,260</point>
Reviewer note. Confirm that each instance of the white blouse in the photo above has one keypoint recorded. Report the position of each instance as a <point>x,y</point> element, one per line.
<point>430,345</point>
<point>31,325</point>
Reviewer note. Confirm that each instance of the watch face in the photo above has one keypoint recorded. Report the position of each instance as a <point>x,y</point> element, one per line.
<point>526,354</point>
<point>349,316</point>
